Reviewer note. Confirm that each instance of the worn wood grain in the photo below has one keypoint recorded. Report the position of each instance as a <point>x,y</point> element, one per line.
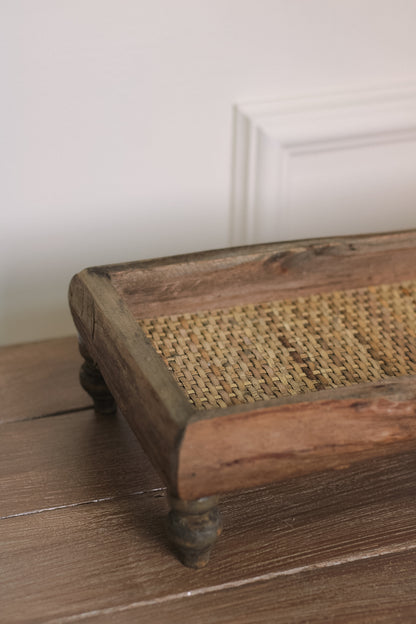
<point>142,386</point>
<point>257,273</point>
<point>68,460</point>
<point>221,450</point>
<point>387,594</point>
<point>72,562</point>
<point>40,378</point>
<point>108,554</point>
<point>234,448</point>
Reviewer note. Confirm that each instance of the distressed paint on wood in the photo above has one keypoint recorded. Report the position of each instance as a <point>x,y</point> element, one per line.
<point>316,594</point>
<point>70,460</point>
<point>40,378</point>
<point>62,562</point>
<point>78,560</point>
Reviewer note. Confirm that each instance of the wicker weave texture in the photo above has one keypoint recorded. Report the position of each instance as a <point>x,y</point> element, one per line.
<point>250,353</point>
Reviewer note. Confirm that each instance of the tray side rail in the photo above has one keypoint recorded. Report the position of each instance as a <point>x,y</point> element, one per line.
<point>242,446</point>
<point>145,392</point>
<point>252,274</point>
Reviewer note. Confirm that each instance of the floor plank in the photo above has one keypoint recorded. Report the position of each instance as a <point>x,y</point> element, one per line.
<point>79,457</point>
<point>70,459</point>
<point>80,552</point>
<point>330,594</point>
<point>82,533</point>
<point>40,378</point>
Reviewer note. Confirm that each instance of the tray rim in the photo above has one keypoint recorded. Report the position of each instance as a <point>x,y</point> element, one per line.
<point>167,424</point>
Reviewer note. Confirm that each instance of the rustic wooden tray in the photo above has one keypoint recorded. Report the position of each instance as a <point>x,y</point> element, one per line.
<point>244,366</point>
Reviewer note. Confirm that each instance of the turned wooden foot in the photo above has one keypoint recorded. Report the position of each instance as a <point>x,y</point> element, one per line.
<point>93,382</point>
<point>193,527</point>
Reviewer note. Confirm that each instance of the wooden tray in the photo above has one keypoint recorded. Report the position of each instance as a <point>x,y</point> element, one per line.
<point>244,366</point>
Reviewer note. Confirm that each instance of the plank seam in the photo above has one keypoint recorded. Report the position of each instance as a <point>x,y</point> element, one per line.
<point>80,503</point>
<point>72,410</point>
<point>372,554</point>
<point>106,499</point>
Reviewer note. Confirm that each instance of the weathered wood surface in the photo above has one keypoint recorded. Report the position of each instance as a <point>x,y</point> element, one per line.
<point>108,554</point>
<point>257,273</point>
<point>142,386</point>
<point>204,453</point>
<point>40,378</point>
<point>287,437</point>
<point>193,528</point>
<point>337,546</point>
<point>68,460</point>
<point>313,595</point>
<point>94,384</point>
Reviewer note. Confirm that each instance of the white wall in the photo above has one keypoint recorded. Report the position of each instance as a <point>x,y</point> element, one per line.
<point>116,123</point>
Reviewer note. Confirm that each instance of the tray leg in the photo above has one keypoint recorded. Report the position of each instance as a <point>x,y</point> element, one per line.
<point>193,527</point>
<point>93,382</point>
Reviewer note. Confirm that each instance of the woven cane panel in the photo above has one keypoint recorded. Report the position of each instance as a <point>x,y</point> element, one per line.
<point>249,353</point>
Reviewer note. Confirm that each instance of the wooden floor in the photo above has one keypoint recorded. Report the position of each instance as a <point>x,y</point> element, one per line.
<point>82,524</point>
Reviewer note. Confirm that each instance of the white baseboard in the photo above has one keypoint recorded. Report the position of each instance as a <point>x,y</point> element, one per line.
<point>324,165</point>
